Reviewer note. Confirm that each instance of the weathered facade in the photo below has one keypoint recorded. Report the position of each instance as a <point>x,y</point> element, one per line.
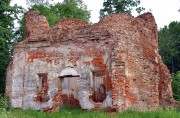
<point>114,63</point>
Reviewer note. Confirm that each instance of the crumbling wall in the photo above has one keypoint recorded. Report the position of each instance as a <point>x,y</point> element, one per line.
<point>136,63</point>
<point>121,52</point>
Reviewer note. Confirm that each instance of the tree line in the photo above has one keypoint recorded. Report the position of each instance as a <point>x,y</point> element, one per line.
<point>169,49</point>
<point>169,36</point>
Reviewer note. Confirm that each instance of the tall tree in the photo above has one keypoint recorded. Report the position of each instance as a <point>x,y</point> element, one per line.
<point>120,6</point>
<point>7,15</point>
<point>169,45</point>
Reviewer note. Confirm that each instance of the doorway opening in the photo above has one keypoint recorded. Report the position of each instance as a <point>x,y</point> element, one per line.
<point>99,89</point>
<point>70,87</point>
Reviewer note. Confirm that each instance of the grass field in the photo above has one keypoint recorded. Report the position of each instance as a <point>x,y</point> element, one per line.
<point>78,113</point>
<point>7,112</point>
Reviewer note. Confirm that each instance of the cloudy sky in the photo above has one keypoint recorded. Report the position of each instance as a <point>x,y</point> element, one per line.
<point>164,11</point>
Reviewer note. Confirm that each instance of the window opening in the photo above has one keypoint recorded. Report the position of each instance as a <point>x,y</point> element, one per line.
<point>43,87</point>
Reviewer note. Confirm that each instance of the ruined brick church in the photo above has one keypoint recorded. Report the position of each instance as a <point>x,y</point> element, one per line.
<point>114,63</point>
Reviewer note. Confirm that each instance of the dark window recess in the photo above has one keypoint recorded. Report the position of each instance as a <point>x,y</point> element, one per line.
<point>70,101</point>
<point>100,94</point>
<point>43,87</point>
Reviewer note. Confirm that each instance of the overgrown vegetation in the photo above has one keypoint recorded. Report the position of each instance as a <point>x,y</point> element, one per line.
<point>7,36</point>
<point>77,113</point>
<point>4,103</point>
<point>7,112</point>
<point>176,85</point>
<point>4,107</point>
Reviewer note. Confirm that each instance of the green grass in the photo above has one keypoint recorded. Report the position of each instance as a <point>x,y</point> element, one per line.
<point>78,113</point>
<point>7,112</point>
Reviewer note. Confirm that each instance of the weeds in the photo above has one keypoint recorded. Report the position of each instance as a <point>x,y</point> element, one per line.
<point>78,113</point>
<point>4,103</point>
<point>4,107</point>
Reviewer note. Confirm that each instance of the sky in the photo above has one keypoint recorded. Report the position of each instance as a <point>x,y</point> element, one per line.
<point>164,11</point>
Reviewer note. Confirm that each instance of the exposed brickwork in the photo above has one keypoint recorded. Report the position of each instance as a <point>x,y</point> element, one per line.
<point>34,29</point>
<point>121,52</point>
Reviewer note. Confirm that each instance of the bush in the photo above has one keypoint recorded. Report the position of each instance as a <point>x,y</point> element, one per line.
<point>4,103</point>
<point>176,85</point>
<point>4,107</point>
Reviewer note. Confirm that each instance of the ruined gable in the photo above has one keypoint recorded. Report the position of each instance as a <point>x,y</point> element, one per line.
<point>114,63</point>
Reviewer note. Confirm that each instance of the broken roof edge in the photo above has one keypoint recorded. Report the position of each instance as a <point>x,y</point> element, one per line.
<point>37,26</point>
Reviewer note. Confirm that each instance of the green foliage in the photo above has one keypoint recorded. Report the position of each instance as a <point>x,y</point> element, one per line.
<point>4,59</point>
<point>67,9</point>
<point>4,107</point>
<point>54,12</point>
<point>4,103</point>
<point>7,15</point>
<point>176,85</point>
<point>77,113</point>
<point>169,46</point>
<point>120,6</point>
